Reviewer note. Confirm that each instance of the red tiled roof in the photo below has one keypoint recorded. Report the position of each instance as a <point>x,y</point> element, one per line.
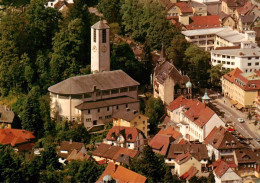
<point>204,22</point>
<point>197,111</point>
<point>129,133</point>
<point>235,76</point>
<point>106,151</point>
<point>220,138</point>
<point>77,155</point>
<point>15,137</point>
<point>182,158</point>
<point>128,152</point>
<point>121,174</point>
<point>25,147</point>
<point>189,174</point>
<point>177,103</point>
<point>170,131</point>
<point>161,143</point>
<point>221,168</point>
<point>244,10</point>
<point>184,7</point>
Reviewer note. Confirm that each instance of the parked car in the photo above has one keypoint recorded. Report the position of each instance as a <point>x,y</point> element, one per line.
<point>240,120</point>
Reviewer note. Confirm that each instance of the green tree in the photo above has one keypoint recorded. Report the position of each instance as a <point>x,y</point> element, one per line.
<point>150,165</point>
<point>154,110</point>
<point>198,65</point>
<point>122,57</point>
<point>31,115</point>
<point>211,177</point>
<point>110,10</point>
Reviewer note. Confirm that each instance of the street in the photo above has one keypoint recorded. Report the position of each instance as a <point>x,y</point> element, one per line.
<point>231,114</point>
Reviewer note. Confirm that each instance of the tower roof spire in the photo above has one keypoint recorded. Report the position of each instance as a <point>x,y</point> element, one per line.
<point>162,55</point>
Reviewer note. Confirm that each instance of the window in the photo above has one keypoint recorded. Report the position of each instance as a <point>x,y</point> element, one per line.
<point>107,108</point>
<point>249,58</point>
<point>88,119</point>
<point>122,90</point>
<point>95,122</point>
<point>132,88</point>
<point>249,64</point>
<point>232,63</point>
<point>95,35</point>
<point>107,117</point>
<point>106,92</point>
<point>98,110</point>
<point>76,96</point>
<point>143,128</point>
<point>117,107</point>
<point>98,93</point>
<point>126,105</point>
<point>256,57</point>
<point>115,91</point>
<point>87,95</point>
<point>257,63</point>
<point>100,118</point>
<point>88,111</point>
<point>104,36</point>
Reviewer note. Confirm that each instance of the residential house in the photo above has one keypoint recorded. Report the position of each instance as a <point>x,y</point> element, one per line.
<point>108,153</point>
<point>189,174</point>
<point>168,82</point>
<point>245,57</point>
<point>6,117</point>
<point>77,156</point>
<point>241,87</point>
<point>120,174</point>
<point>221,143</point>
<point>21,140</point>
<point>183,9</point>
<point>223,173</point>
<point>228,21</point>
<point>184,162</point>
<point>199,9</point>
<point>247,162</point>
<point>197,150</point>
<point>60,5</point>
<point>229,6</point>
<point>128,137</point>
<point>66,148</point>
<point>194,118</point>
<point>160,143</point>
<point>131,118</point>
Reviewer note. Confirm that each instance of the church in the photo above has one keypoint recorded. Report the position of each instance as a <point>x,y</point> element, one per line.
<point>93,99</point>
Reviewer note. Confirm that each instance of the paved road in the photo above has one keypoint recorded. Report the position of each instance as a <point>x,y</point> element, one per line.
<point>231,114</point>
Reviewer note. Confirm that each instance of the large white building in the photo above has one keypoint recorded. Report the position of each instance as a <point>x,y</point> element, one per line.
<point>246,57</point>
<point>194,118</point>
<point>211,38</point>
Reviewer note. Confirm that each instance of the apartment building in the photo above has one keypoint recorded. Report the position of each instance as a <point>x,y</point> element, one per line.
<point>246,57</point>
<point>241,87</point>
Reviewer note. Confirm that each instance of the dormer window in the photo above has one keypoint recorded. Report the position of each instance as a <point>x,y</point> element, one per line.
<point>130,137</point>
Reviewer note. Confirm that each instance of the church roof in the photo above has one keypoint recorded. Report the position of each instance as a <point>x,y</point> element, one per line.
<point>100,25</point>
<point>86,83</point>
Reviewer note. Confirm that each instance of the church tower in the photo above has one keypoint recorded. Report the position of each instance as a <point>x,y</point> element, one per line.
<point>100,47</point>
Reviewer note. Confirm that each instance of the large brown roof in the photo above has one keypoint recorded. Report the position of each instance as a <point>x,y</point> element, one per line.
<point>198,151</point>
<point>86,83</point>
<point>69,146</point>
<point>182,158</point>
<point>126,114</point>
<point>246,156</point>
<point>106,102</point>
<point>221,169</point>
<point>121,174</point>
<point>220,138</point>
<point>235,3</point>
<point>161,143</point>
<point>106,151</point>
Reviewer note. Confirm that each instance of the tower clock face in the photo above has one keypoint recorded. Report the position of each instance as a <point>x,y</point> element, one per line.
<point>94,48</point>
<point>104,48</point>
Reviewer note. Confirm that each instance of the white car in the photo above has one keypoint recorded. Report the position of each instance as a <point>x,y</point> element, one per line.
<point>240,120</point>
